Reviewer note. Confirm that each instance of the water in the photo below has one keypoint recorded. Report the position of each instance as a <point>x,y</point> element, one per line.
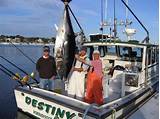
<point>8,108</point>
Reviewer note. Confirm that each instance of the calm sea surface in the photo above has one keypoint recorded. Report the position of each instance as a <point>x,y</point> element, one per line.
<point>8,107</point>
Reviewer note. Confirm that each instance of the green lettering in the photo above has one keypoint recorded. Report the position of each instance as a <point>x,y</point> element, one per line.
<point>28,100</point>
<point>69,115</point>
<point>40,105</point>
<point>34,102</point>
<point>48,107</point>
<point>53,110</point>
<point>60,113</point>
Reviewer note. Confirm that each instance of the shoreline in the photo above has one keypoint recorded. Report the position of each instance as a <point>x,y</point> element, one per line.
<point>38,44</point>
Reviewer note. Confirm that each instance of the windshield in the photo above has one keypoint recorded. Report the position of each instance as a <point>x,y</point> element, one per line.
<point>111,50</point>
<point>131,53</point>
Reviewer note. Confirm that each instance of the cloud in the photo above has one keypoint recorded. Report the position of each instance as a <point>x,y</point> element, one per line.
<point>30,16</point>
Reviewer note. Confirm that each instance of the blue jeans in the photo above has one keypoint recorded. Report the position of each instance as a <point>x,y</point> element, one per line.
<point>47,84</point>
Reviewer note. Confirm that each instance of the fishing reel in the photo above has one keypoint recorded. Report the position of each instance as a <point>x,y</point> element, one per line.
<point>24,79</point>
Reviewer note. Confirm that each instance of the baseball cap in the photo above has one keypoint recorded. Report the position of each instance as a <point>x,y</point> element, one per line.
<point>46,48</point>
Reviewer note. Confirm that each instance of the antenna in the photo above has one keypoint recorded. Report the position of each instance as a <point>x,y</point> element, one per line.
<point>147,38</point>
<point>102,18</point>
<point>128,31</point>
<point>126,10</point>
<point>115,21</point>
<point>126,14</point>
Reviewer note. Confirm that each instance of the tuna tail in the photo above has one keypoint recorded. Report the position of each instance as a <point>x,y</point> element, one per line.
<point>65,45</point>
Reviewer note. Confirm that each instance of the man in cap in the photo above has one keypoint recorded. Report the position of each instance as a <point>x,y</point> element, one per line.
<point>46,67</point>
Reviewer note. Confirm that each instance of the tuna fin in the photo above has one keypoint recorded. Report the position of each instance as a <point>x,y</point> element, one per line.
<point>56,27</point>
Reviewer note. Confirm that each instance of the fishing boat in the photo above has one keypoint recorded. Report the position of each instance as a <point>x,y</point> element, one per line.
<point>132,71</point>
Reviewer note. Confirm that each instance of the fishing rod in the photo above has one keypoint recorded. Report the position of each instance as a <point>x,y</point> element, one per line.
<point>18,68</point>
<point>23,53</point>
<point>13,74</point>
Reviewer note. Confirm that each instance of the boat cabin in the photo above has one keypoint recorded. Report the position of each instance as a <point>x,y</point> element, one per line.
<point>135,64</point>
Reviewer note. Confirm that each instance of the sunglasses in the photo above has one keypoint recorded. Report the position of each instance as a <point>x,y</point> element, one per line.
<point>46,51</point>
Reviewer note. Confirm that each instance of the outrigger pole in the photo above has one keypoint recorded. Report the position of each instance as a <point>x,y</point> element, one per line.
<point>18,68</point>
<point>10,73</point>
<point>23,53</point>
<point>147,38</point>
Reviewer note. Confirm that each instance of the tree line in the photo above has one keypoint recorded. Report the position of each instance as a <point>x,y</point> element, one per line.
<point>22,39</point>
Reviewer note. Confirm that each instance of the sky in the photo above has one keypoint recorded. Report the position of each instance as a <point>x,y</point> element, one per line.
<point>36,18</point>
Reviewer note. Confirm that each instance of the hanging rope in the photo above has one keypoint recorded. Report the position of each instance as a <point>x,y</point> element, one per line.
<point>75,18</point>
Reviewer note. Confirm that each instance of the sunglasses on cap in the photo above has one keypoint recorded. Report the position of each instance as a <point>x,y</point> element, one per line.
<point>46,50</point>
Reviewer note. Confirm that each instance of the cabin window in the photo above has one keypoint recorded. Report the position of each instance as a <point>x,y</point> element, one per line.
<point>153,56</point>
<point>157,54</point>
<point>90,50</point>
<point>131,53</point>
<point>102,51</point>
<point>149,56</point>
<point>111,50</point>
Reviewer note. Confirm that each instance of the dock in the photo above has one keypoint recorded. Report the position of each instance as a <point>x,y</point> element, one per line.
<point>150,110</point>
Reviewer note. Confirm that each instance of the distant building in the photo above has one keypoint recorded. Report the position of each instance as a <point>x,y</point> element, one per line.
<point>21,39</point>
<point>8,39</point>
<point>40,40</point>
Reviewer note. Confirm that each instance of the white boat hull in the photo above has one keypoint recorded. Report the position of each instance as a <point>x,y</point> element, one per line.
<point>49,105</point>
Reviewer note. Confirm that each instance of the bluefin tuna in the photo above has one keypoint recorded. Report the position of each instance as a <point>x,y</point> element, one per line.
<point>65,45</point>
